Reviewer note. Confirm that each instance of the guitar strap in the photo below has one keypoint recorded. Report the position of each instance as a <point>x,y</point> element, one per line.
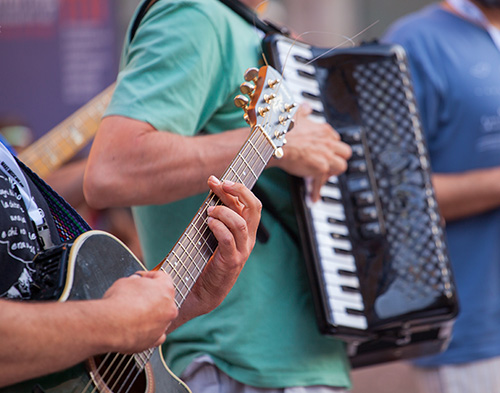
<point>68,222</point>
<point>237,6</point>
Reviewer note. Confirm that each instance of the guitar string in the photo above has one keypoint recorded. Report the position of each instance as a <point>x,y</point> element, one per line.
<point>192,243</point>
<point>200,215</point>
<point>104,375</point>
<point>202,235</point>
<point>250,145</point>
<point>186,250</point>
<point>196,240</point>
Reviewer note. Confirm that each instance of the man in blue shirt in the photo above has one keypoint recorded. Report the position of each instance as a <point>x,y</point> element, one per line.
<point>454,54</point>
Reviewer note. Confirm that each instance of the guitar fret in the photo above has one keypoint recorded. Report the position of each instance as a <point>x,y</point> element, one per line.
<point>197,244</point>
<point>200,253</point>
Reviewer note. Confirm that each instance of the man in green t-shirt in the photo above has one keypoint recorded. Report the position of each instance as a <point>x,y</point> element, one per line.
<point>172,123</point>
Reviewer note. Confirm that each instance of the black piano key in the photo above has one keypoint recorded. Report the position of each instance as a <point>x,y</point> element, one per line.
<point>354,312</point>
<point>310,96</point>
<point>301,59</point>
<point>306,74</point>
<point>349,289</point>
<point>340,251</point>
<point>315,112</point>
<point>332,220</point>
<point>339,236</point>
<point>328,199</point>
<point>347,273</point>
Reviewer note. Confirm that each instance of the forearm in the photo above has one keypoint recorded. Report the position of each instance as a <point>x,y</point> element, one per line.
<point>466,194</point>
<point>133,164</point>
<point>38,339</point>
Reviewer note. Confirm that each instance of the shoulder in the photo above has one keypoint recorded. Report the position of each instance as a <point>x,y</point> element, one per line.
<point>195,11</point>
<point>430,24</point>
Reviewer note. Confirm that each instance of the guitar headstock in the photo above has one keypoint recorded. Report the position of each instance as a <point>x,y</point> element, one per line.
<point>270,107</point>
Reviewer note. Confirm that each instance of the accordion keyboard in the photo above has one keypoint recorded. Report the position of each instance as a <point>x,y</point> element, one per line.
<point>374,243</point>
<point>341,283</point>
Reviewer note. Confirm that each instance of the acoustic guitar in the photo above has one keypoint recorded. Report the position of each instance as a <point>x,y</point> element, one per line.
<point>86,268</point>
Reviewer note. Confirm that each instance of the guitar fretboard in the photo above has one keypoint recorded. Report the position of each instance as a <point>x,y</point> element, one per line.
<point>62,142</point>
<point>191,253</point>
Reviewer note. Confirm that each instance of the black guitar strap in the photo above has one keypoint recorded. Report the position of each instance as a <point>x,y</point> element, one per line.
<point>146,5</point>
<point>251,17</point>
<point>237,6</point>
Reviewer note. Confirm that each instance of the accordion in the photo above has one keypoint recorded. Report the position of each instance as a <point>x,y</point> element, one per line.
<point>374,244</point>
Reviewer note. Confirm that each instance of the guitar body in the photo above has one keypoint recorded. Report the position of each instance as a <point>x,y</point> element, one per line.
<point>96,260</point>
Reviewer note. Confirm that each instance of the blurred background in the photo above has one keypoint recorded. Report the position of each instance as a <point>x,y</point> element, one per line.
<point>56,55</point>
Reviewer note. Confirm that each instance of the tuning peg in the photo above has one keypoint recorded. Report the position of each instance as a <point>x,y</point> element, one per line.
<point>251,74</point>
<point>263,110</point>
<point>278,153</point>
<point>247,88</point>
<point>273,83</point>
<point>283,119</point>
<point>289,107</point>
<point>279,134</point>
<point>269,97</point>
<point>241,101</point>
<point>291,125</point>
<point>246,118</point>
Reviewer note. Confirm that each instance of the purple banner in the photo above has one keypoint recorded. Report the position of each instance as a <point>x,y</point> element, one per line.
<point>55,55</point>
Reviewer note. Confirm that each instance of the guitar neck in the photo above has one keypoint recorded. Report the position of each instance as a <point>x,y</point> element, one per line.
<point>191,253</point>
<point>62,142</point>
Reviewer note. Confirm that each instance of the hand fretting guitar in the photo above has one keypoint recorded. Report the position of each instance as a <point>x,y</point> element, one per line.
<point>86,268</point>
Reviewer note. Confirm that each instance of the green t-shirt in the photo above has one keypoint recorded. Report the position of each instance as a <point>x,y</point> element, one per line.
<point>180,73</point>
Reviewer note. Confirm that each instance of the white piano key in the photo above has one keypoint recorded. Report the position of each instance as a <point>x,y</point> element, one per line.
<point>335,279</point>
<point>331,192</point>
<point>339,262</point>
<point>341,318</point>
<point>333,179</point>
<point>297,85</point>
<point>321,211</point>
<point>328,227</point>
<point>327,240</point>
<point>328,255</point>
<point>335,292</point>
<point>337,209</point>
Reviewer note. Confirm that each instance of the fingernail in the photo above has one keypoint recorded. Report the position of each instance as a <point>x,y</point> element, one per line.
<point>210,209</point>
<point>229,182</point>
<point>214,179</point>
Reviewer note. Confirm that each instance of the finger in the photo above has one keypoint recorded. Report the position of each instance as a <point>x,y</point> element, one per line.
<point>160,340</point>
<point>303,110</point>
<point>317,183</point>
<point>246,197</point>
<point>240,199</point>
<point>227,199</point>
<point>343,150</point>
<point>229,228</point>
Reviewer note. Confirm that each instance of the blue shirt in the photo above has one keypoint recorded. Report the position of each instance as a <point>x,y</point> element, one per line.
<point>456,72</point>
